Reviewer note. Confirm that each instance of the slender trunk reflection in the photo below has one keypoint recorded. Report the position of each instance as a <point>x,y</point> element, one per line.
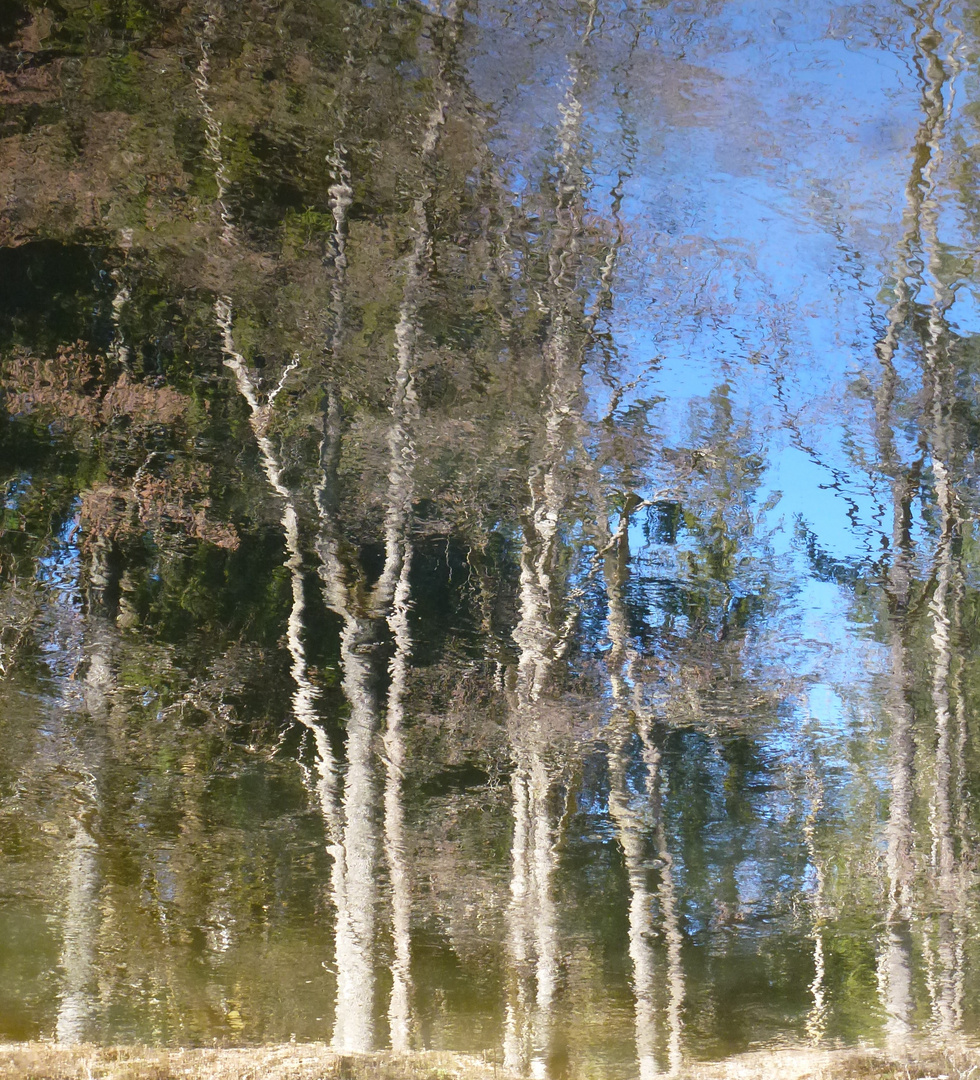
<point>88,715</point>
<point>541,634</point>
<point>894,960</point>
<point>635,826</point>
<point>816,1021</point>
<point>78,957</point>
<point>399,1015</point>
<point>939,940</point>
<point>943,977</point>
<point>354,883</point>
<point>353,848</point>
<point>351,964</point>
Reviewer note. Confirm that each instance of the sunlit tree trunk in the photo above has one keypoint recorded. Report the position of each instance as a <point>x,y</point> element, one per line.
<point>353,847</point>
<point>637,827</point>
<point>390,598</point>
<point>944,976</point>
<point>350,958</point>
<point>963,876</point>
<point>894,970</point>
<point>532,917</point>
<point>670,913</point>
<point>632,826</point>
<point>79,998</point>
<point>78,955</point>
<point>212,125</point>
<point>399,1011</point>
<point>894,959</point>
<point>532,914</point>
<point>816,1021</point>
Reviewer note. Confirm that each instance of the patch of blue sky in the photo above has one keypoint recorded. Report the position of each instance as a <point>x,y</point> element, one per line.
<point>825,707</point>
<point>963,317</point>
<point>841,520</point>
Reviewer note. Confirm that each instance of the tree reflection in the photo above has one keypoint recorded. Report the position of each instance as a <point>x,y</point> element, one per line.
<point>637,826</point>
<point>927,893</point>
<point>360,459</point>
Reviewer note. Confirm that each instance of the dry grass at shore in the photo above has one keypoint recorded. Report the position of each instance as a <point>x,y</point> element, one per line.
<point>922,1063</point>
<point>314,1061</point>
<point>293,1061</point>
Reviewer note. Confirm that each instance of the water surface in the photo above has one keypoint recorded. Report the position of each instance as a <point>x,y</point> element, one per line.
<point>490,497</point>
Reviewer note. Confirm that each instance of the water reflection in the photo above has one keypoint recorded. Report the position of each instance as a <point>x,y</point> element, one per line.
<point>80,934</point>
<point>488,533</point>
<point>638,826</point>
<point>541,633</point>
<point>920,269</point>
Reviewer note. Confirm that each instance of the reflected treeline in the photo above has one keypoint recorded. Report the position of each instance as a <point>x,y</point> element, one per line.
<point>928,868</point>
<point>388,656</point>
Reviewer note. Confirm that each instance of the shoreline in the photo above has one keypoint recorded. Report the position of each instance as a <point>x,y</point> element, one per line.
<point>316,1061</point>
<point>287,1061</point>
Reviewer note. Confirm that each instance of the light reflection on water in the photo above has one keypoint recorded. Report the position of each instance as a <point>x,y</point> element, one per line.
<point>489,518</point>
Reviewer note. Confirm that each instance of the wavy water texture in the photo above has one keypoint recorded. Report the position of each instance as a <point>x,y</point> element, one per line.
<point>489,547</point>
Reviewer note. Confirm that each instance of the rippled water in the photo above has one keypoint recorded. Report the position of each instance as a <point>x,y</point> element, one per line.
<point>489,548</point>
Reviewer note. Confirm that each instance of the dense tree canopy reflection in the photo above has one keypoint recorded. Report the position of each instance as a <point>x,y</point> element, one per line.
<point>488,546</point>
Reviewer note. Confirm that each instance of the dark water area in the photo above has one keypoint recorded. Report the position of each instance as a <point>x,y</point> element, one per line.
<point>489,552</point>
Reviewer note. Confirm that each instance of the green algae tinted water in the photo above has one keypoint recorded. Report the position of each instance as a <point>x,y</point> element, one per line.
<point>488,557</point>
